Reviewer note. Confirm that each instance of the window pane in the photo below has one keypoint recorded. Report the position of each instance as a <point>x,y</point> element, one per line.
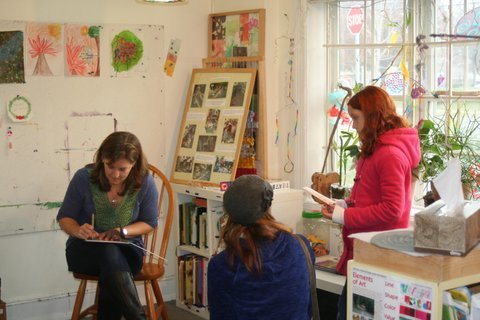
<point>466,69</point>
<point>351,66</point>
<point>389,21</point>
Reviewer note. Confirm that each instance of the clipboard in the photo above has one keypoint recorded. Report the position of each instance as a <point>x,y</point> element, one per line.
<point>109,241</point>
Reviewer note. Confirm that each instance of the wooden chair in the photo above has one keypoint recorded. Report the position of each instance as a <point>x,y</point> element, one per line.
<point>152,270</point>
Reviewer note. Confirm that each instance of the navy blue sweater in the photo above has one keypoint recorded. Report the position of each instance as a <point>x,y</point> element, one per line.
<point>281,291</point>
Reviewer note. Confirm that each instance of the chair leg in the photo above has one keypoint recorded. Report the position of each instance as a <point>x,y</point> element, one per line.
<point>159,298</point>
<point>152,315</point>
<point>97,297</point>
<point>77,308</point>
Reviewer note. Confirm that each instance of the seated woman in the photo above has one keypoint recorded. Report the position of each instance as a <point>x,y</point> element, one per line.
<point>111,199</point>
<point>262,273</point>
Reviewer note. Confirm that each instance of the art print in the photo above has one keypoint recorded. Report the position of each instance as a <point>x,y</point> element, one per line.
<point>237,34</point>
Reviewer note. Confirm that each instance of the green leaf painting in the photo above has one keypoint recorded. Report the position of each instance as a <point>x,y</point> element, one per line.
<point>127,50</point>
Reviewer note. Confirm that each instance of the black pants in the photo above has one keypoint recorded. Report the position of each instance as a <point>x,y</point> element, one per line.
<point>103,259</point>
<point>95,258</point>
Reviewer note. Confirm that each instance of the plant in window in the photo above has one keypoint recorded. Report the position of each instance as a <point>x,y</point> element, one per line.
<point>348,152</point>
<point>441,138</point>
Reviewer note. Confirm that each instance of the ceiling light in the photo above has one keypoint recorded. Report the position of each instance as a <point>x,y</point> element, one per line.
<point>162,1</point>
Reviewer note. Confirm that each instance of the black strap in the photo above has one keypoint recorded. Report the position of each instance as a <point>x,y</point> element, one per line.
<point>311,271</point>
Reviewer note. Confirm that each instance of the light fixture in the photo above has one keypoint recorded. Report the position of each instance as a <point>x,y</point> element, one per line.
<point>162,1</point>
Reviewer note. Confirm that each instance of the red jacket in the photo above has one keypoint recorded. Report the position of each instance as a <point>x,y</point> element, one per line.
<point>381,196</point>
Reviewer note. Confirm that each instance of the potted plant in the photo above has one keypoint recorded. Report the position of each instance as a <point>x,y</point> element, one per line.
<point>441,138</point>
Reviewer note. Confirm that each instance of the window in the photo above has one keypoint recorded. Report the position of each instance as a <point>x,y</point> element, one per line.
<point>426,54</point>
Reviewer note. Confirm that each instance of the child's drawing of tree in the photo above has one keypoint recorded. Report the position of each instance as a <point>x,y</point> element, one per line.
<point>82,50</point>
<point>44,40</point>
<point>39,48</point>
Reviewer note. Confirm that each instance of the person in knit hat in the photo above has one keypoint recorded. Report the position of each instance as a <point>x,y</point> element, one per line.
<point>262,273</point>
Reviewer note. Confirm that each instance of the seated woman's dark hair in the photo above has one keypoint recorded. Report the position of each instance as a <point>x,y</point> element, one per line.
<point>120,145</point>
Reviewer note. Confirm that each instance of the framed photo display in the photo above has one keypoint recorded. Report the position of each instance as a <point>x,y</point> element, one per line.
<point>236,34</point>
<point>213,126</point>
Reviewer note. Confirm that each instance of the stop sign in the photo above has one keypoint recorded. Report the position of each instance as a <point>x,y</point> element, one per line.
<point>355,20</point>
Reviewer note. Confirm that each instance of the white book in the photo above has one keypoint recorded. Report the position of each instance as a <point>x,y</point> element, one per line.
<point>320,196</point>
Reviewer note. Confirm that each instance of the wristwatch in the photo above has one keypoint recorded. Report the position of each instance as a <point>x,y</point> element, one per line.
<point>124,232</point>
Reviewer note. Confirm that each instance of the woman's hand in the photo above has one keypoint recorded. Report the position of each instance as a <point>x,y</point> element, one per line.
<point>112,234</point>
<point>86,231</point>
<point>72,228</point>
<point>327,211</point>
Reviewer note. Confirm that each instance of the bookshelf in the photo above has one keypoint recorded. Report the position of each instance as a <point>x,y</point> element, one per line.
<point>197,225</point>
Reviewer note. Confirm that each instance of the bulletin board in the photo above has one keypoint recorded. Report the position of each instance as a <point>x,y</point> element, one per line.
<point>63,88</point>
<point>213,125</point>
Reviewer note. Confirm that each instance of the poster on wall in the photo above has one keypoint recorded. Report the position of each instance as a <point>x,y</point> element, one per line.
<point>236,34</point>
<point>213,125</point>
<point>380,296</point>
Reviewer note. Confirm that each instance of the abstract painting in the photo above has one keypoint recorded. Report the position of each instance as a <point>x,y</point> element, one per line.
<point>11,57</point>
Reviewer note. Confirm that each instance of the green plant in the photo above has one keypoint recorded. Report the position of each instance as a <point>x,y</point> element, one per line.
<point>347,151</point>
<point>454,135</point>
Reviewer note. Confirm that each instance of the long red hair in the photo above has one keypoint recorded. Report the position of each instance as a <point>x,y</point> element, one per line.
<point>242,242</point>
<point>380,116</point>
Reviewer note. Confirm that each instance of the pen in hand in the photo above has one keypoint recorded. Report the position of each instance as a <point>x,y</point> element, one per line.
<point>92,232</point>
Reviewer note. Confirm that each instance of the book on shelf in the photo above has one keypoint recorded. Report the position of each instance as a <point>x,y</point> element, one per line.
<point>189,281</point>
<point>200,202</point>
<point>181,279</point>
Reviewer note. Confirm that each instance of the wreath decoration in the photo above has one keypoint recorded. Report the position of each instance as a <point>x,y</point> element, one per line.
<point>19,114</point>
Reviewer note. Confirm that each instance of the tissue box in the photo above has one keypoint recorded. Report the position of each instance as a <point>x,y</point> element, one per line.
<point>436,232</point>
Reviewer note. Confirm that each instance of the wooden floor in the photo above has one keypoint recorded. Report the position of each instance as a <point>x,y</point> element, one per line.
<point>174,313</point>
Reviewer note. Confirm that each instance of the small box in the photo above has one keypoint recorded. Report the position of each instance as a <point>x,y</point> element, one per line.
<point>3,310</point>
<point>436,232</point>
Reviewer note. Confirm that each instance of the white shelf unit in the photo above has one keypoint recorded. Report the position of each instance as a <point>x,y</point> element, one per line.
<point>398,284</point>
<point>287,207</point>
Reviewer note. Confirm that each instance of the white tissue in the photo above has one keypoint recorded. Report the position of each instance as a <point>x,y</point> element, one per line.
<point>449,186</point>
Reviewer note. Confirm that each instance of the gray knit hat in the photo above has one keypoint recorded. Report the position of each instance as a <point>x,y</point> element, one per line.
<point>247,199</point>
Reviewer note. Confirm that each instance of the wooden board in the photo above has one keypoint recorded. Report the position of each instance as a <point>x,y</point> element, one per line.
<point>432,267</point>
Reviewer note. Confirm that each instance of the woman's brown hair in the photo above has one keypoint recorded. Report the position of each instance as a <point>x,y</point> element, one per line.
<point>242,240</point>
<point>380,116</point>
<point>120,145</point>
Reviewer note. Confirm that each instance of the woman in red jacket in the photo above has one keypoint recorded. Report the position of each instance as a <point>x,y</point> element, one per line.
<point>381,197</point>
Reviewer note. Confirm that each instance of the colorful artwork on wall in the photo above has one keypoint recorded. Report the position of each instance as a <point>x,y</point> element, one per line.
<point>11,57</point>
<point>82,50</point>
<point>127,50</point>
<point>44,45</point>
<point>237,34</point>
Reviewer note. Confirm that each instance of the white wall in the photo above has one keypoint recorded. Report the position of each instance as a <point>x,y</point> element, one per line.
<point>32,266</point>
